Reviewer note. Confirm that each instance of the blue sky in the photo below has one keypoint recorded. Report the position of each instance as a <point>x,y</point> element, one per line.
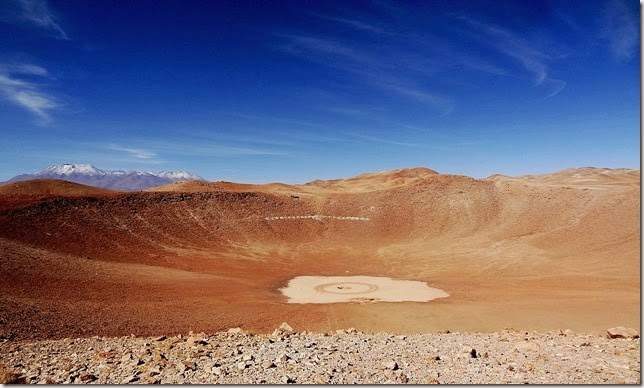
<point>300,90</point>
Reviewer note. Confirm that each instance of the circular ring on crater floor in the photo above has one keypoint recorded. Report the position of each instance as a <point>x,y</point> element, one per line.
<point>346,288</point>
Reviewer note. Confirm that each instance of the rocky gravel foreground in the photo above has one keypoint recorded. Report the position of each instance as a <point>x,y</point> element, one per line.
<point>344,357</point>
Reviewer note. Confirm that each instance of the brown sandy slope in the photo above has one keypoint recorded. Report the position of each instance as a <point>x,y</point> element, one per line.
<point>50,187</point>
<point>202,186</point>
<point>384,180</point>
<point>27,192</point>
<point>535,252</point>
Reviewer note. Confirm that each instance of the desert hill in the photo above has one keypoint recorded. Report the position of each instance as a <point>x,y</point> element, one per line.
<point>208,256</point>
<point>50,187</point>
<point>589,177</point>
<point>15,194</point>
<point>383,180</point>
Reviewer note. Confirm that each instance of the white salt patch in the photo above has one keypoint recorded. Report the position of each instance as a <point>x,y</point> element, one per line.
<point>339,289</point>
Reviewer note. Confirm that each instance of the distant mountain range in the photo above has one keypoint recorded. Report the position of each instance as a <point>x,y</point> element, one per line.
<point>110,179</point>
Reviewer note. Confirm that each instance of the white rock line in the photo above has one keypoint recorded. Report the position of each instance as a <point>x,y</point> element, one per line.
<point>317,217</point>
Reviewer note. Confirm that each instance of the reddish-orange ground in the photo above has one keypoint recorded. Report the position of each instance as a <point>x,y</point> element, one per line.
<point>537,252</point>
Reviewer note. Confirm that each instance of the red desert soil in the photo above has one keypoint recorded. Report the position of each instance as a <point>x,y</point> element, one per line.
<point>17,194</point>
<point>535,252</point>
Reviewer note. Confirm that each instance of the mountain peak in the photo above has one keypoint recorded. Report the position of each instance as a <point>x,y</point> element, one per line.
<point>71,168</point>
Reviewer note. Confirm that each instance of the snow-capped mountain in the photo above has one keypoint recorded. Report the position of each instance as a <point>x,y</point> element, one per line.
<point>179,175</point>
<point>110,179</point>
<point>69,169</point>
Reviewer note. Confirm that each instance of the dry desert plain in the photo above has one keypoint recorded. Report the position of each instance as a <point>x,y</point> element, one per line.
<point>530,253</point>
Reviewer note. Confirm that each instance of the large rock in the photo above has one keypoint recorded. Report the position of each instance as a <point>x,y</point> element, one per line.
<point>283,329</point>
<point>197,340</point>
<point>622,332</point>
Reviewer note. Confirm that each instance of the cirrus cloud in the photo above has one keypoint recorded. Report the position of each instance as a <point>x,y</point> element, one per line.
<point>35,13</point>
<point>17,86</point>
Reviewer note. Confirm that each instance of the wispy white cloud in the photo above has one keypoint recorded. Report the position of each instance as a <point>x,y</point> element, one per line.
<point>554,87</point>
<point>446,105</point>
<point>24,68</point>
<point>377,139</point>
<point>158,151</point>
<point>472,62</point>
<point>260,135</point>
<point>620,28</point>
<point>273,118</point>
<point>19,90</point>
<point>263,139</point>
<point>345,111</point>
<point>370,67</point>
<point>514,47</point>
<point>567,20</point>
<point>310,137</point>
<point>428,44</point>
<point>38,14</point>
<point>137,153</point>
<point>355,23</point>
<point>534,61</point>
<point>306,45</point>
<point>206,148</point>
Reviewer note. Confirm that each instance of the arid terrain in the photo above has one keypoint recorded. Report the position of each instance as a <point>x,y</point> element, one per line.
<point>510,260</point>
<point>541,252</point>
<point>342,357</point>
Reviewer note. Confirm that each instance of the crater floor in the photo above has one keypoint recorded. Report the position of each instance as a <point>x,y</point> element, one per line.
<point>361,289</point>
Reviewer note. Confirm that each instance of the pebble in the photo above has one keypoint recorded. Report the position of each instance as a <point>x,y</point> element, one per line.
<point>393,365</point>
<point>344,358</point>
<point>622,332</point>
